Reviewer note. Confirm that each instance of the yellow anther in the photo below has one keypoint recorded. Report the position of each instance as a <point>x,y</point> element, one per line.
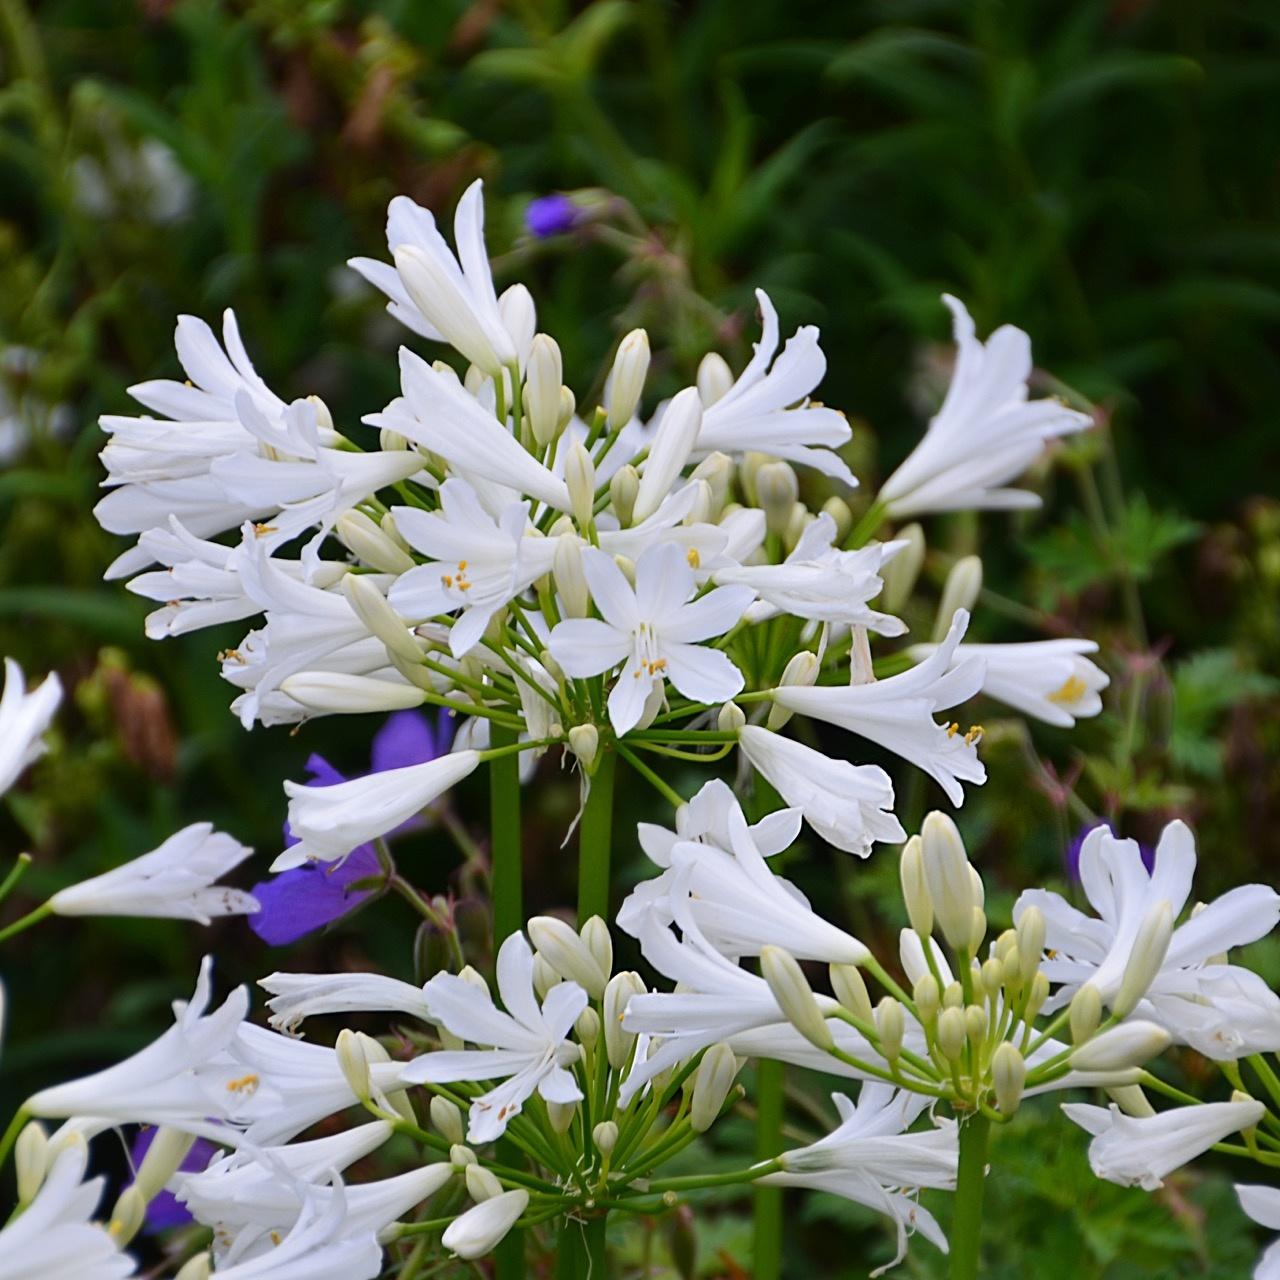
<point>694,559</point>
<point>952,729</point>
<point>263,529</point>
<point>462,564</point>
<point>974,736</point>
<point>447,580</point>
<point>1073,689</point>
<point>245,1084</point>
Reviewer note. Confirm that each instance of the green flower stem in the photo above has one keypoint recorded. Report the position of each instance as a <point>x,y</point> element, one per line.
<point>20,866</point>
<point>1260,1066</point>
<point>676,799</point>
<point>767,1212</point>
<point>25,922</point>
<point>696,1181</point>
<point>871,520</point>
<point>595,835</point>
<point>966,1226</point>
<point>16,1126</point>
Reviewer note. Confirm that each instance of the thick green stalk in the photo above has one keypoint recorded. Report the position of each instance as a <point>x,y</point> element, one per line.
<point>595,834</point>
<point>767,1210</point>
<point>966,1226</point>
<point>580,1250</point>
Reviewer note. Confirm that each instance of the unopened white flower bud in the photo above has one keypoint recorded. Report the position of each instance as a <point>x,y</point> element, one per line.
<point>702,512</point>
<point>336,693</point>
<point>366,540</point>
<point>838,510</point>
<point>587,1028</point>
<point>1030,934</point>
<point>900,574</point>
<point>915,888</point>
<point>484,1226</point>
<point>584,742</point>
<point>624,487</point>
<point>568,406</point>
<point>543,378</point>
<point>30,1160</point>
<point>960,591</point>
<point>791,989</point>
<point>571,581</point>
<point>1128,1045</point>
<point>1131,1100</point>
<point>627,567</point>
<point>198,1268</point>
<point>461,1156</point>
<point>802,669</point>
<point>851,990</point>
<point>605,1136</point>
<point>544,976</point>
<point>128,1215</point>
<point>481,1183</point>
<point>946,867</point>
<point>626,379</point>
<point>1008,1077</point>
<point>567,954</point>
<point>469,973</point>
<point>891,1024</point>
<point>731,718</point>
<point>714,378</point>
<point>992,972</point>
<point>1085,1013</point>
<point>447,1119</point>
<point>561,1115</point>
<point>977,930</point>
<point>1146,957</point>
<point>354,1062</point>
<point>617,995</point>
<point>580,478</point>
<point>748,468</point>
<point>711,1084</point>
<point>168,1149</point>
<point>777,489</point>
<point>595,933</point>
<point>797,522</point>
<point>1037,995</point>
<point>669,451</point>
<point>519,315</point>
<point>927,997</point>
<point>717,470</point>
<point>950,1033</point>
<point>953,996</point>
<point>975,1023</point>
<point>371,607</point>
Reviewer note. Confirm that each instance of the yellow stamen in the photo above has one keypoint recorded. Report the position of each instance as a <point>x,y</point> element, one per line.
<point>694,559</point>
<point>952,729</point>
<point>245,1084</point>
<point>1073,689</point>
<point>974,736</point>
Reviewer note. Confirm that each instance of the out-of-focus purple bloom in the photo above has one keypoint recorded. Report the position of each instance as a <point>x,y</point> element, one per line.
<point>551,215</point>
<point>304,899</point>
<point>1072,858</point>
<point>164,1211</point>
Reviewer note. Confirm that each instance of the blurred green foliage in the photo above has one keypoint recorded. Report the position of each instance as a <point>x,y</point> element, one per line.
<point>1102,174</point>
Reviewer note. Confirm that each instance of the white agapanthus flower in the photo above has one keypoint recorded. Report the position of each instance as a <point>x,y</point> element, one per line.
<point>872,1160</point>
<point>55,1237</point>
<point>484,1226</point>
<point>176,881</point>
<point>1141,1151</point>
<point>1049,680</point>
<point>653,629</point>
<point>298,996</point>
<point>24,719</point>
<point>1262,1204</point>
<point>986,433</point>
<point>1193,972</point>
<point>897,713</point>
<point>527,1046</point>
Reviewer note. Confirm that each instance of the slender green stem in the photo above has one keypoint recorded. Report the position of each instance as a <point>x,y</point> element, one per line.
<point>695,1181</point>
<point>32,917</point>
<point>966,1226</point>
<point>16,1125</point>
<point>595,835</point>
<point>677,800</point>
<point>767,1212</point>
<point>21,863</point>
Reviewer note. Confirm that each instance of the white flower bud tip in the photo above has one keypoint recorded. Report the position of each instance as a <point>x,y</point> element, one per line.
<point>795,997</point>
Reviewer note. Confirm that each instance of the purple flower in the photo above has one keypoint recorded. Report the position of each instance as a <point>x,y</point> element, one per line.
<point>165,1211</point>
<point>551,215</point>
<point>304,899</point>
<point>1072,858</point>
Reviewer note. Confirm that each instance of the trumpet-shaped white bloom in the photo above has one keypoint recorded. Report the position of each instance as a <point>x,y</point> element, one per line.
<point>483,1227</point>
<point>819,581</point>
<point>298,996</point>
<point>24,718</point>
<point>444,297</point>
<point>768,410</point>
<point>653,628</point>
<point>872,1160</point>
<point>986,433</point>
<point>1140,1151</point>
<point>184,1079</point>
<point>898,712</point>
<point>527,1047</point>
<point>480,564</point>
<point>848,805</point>
<point>1191,978</point>
<point>54,1238</point>
<point>331,821</point>
<point>1050,680</point>
<point>1262,1204</point>
<point>174,881</point>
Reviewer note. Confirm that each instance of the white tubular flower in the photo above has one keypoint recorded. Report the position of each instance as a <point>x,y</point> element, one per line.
<point>756,413</point>
<point>299,996</point>
<point>484,1226</point>
<point>986,433</point>
<point>1139,1151</point>
<point>331,821</point>
<point>897,713</point>
<point>653,629</point>
<point>443,297</point>
<point>871,1160</point>
<point>530,1046</point>
<point>175,881</point>
<point>1050,680</point>
<point>322,1245</point>
<point>821,582</point>
<point>24,719</point>
<point>1262,1204</point>
<point>480,564</point>
<point>184,1079</point>
<point>672,446</point>
<point>54,1237</point>
<point>1223,1010</point>
<point>438,413</point>
<point>850,806</point>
